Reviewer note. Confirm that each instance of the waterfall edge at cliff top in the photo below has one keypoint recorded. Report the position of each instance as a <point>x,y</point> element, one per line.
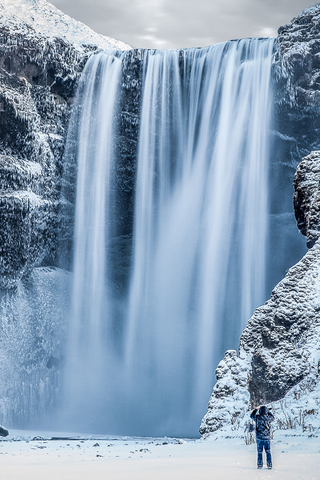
<point>159,297</point>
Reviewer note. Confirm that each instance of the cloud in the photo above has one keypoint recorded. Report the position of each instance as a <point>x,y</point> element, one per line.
<point>182,23</point>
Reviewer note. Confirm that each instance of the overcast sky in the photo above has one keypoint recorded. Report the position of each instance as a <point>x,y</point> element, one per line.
<point>182,23</point>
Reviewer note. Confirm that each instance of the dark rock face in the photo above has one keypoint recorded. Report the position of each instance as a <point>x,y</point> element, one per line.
<point>37,84</point>
<point>128,124</point>
<point>307,197</point>
<point>297,96</point>
<point>42,54</point>
<point>297,66</point>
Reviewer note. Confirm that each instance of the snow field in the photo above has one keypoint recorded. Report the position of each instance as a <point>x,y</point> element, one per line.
<point>34,457</point>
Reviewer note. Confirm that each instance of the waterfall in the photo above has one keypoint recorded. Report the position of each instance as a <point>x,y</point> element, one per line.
<point>91,141</point>
<point>141,360</point>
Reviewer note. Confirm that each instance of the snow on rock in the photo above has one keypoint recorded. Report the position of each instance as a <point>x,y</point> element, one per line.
<point>307,197</point>
<point>278,357</point>
<point>229,401</point>
<point>42,55</point>
<point>300,409</point>
<point>30,17</point>
<point>297,68</point>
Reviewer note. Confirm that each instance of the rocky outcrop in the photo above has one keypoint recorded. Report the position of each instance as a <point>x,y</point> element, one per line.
<point>306,197</point>
<point>297,67</point>
<point>278,358</point>
<point>42,54</point>
<point>297,96</point>
<point>230,397</point>
<point>279,349</point>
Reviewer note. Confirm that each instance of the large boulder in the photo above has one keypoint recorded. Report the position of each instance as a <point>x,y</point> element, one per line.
<point>307,197</point>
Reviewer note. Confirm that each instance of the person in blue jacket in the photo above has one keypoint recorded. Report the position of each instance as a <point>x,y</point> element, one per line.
<point>263,418</point>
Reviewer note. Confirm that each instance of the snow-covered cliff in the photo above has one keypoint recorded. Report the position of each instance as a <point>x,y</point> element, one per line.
<point>42,53</point>
<point>39,18</point>
<point>278,357</point>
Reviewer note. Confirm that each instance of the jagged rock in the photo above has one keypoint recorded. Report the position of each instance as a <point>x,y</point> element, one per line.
<point>279,349</point>
<point>230,397</point>
<point>307,197</point>
<point>297,66</point>
<point>297,95</point>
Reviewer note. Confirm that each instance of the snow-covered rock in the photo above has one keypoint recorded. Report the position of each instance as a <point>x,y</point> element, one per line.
<point>278,357</point>
<point>39,17</point>
<point>297,68</point>
<point>307,197</point>
<point>42,54</point>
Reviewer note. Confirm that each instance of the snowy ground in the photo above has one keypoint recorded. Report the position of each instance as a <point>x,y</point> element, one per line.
<point>30,455</point>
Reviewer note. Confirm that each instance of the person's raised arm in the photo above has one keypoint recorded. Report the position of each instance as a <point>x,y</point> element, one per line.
<point>254,413</point>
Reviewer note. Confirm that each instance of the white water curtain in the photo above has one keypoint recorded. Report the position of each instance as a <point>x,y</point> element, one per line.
<point>199,237</point>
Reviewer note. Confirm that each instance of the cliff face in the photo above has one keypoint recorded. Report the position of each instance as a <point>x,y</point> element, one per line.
<point>279,351</point>
<point>42,53</point>
<point>307,197</point>
<point>297,66</point>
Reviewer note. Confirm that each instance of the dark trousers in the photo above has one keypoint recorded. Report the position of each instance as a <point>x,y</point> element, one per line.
<point>264,444</point>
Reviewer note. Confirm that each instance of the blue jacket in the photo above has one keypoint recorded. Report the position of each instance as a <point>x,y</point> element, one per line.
<point>262,419</point>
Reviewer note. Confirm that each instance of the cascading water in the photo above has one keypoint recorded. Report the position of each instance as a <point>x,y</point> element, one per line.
<point>90,325</point>
<point>198,241</point>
